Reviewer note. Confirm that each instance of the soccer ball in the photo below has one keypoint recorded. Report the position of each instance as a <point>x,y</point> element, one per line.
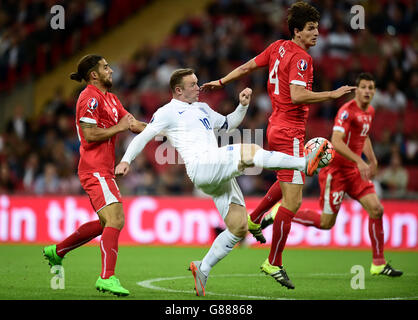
<point>327,158</point>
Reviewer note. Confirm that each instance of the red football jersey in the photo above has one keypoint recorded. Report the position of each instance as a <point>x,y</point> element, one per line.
<point>288,64</point>
<point>104,110</point>
<point>355,123</point>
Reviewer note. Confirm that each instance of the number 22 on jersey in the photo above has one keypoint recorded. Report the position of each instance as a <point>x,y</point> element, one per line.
<point>274,78</point>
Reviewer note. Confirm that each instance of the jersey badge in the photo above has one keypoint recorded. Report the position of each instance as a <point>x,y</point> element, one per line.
<point>92,103</point>
<point>302,65</point>
<point>203,110</point>
<point>344,115</point>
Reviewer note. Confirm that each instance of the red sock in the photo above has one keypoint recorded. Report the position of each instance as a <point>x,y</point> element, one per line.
<point>281,229</point>
<point>82,235</point>
<point>308,218</point>
<point>270,199</point>
<point>377,240</point>
<point>109,249</point>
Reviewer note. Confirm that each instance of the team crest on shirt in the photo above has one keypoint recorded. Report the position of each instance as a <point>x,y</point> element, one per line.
<point>92,103</point>
<point>203,110</point>
<point>344,115</point>
<point>302,65</point>
<point>114,102</point>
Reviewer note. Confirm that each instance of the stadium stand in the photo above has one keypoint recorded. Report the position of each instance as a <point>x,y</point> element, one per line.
<point>214,42</point>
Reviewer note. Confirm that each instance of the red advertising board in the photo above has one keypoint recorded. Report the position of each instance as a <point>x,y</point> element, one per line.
<point>192,221</point>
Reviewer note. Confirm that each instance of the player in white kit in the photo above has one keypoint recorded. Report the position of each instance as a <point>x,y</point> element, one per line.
<point>188,126</point>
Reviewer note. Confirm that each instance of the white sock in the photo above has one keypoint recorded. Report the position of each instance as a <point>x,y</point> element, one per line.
<point>274,160</point>
<point>222,245</point>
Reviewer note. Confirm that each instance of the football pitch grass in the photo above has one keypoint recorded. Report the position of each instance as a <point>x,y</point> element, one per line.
<point>160,273</point>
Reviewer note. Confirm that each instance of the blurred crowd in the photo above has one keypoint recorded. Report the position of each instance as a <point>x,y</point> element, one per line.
<point>29,46</point>
<point>41,155</point>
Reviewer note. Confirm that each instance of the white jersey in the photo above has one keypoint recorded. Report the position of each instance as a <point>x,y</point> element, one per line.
<point>189,129</point>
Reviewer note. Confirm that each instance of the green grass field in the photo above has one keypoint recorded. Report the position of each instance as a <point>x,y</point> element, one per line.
<point>160,273</point>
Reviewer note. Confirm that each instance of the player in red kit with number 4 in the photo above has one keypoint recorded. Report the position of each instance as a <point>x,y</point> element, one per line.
<point>350,174</point>
<point>290,89</point>
<point>100,116</point>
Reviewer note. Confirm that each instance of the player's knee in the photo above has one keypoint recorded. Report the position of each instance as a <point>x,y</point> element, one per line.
<point>376,211</point>
<point>327,225</point>
<point>240,230</point>
<point>117,220</point>
<point>292,205</point>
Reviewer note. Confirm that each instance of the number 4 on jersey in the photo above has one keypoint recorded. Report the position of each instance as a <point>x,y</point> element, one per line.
<point>273,77</point>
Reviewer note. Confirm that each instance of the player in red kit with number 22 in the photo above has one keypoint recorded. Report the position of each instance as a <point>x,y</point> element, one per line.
<point>289,86</point>
<point>99,118</point>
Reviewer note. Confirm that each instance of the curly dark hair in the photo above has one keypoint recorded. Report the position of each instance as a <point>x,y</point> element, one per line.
<point>300,13</point>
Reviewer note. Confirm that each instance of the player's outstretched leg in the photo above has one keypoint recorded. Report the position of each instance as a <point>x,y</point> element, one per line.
<point>278,273</point>
<point>112,285</point>
<point>274,160</point>
<point>200,278</point>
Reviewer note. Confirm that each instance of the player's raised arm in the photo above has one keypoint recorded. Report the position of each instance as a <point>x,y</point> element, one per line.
<point>300,95</point>
<point>235,118</point>
<point>237,73</point>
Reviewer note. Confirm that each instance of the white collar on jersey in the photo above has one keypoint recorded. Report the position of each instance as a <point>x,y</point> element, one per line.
<point>182,103</point>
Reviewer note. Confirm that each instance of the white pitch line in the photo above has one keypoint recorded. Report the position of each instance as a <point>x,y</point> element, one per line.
<point>148,284</point>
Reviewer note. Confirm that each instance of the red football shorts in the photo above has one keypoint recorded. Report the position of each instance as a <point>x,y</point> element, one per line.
<point>102,191</point>
<point>336,182</point>
<point>291,142</point>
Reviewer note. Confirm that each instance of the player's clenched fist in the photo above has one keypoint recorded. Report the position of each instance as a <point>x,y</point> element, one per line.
<point>122,169</point>
<point>245,96</point>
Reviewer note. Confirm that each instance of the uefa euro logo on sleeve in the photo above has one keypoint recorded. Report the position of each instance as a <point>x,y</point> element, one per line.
<point>92,103</point>
<point>302,65</point>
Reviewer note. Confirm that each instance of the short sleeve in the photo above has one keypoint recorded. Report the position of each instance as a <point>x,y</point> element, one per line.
<point>342,120</point>
<point>89,106</point>
<point>300,66</point>
<point>263,58</point>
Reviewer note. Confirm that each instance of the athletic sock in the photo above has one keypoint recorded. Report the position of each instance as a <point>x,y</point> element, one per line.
<point>275,160</point>
<point>270,199</point>
<point>308,218</point>
<point>82,235</point>
<point>109,250</point>
<point>281,229</point>
<point>377,240</point>
<point>222,245</point>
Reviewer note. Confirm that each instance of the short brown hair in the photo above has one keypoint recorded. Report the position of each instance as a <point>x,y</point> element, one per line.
<point>364,76</point>
<point>300,13</point>
<point>177,76</point>
<point>86,64</point>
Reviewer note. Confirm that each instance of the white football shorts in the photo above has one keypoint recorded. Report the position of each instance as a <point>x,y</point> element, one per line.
<point>215,175</point>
